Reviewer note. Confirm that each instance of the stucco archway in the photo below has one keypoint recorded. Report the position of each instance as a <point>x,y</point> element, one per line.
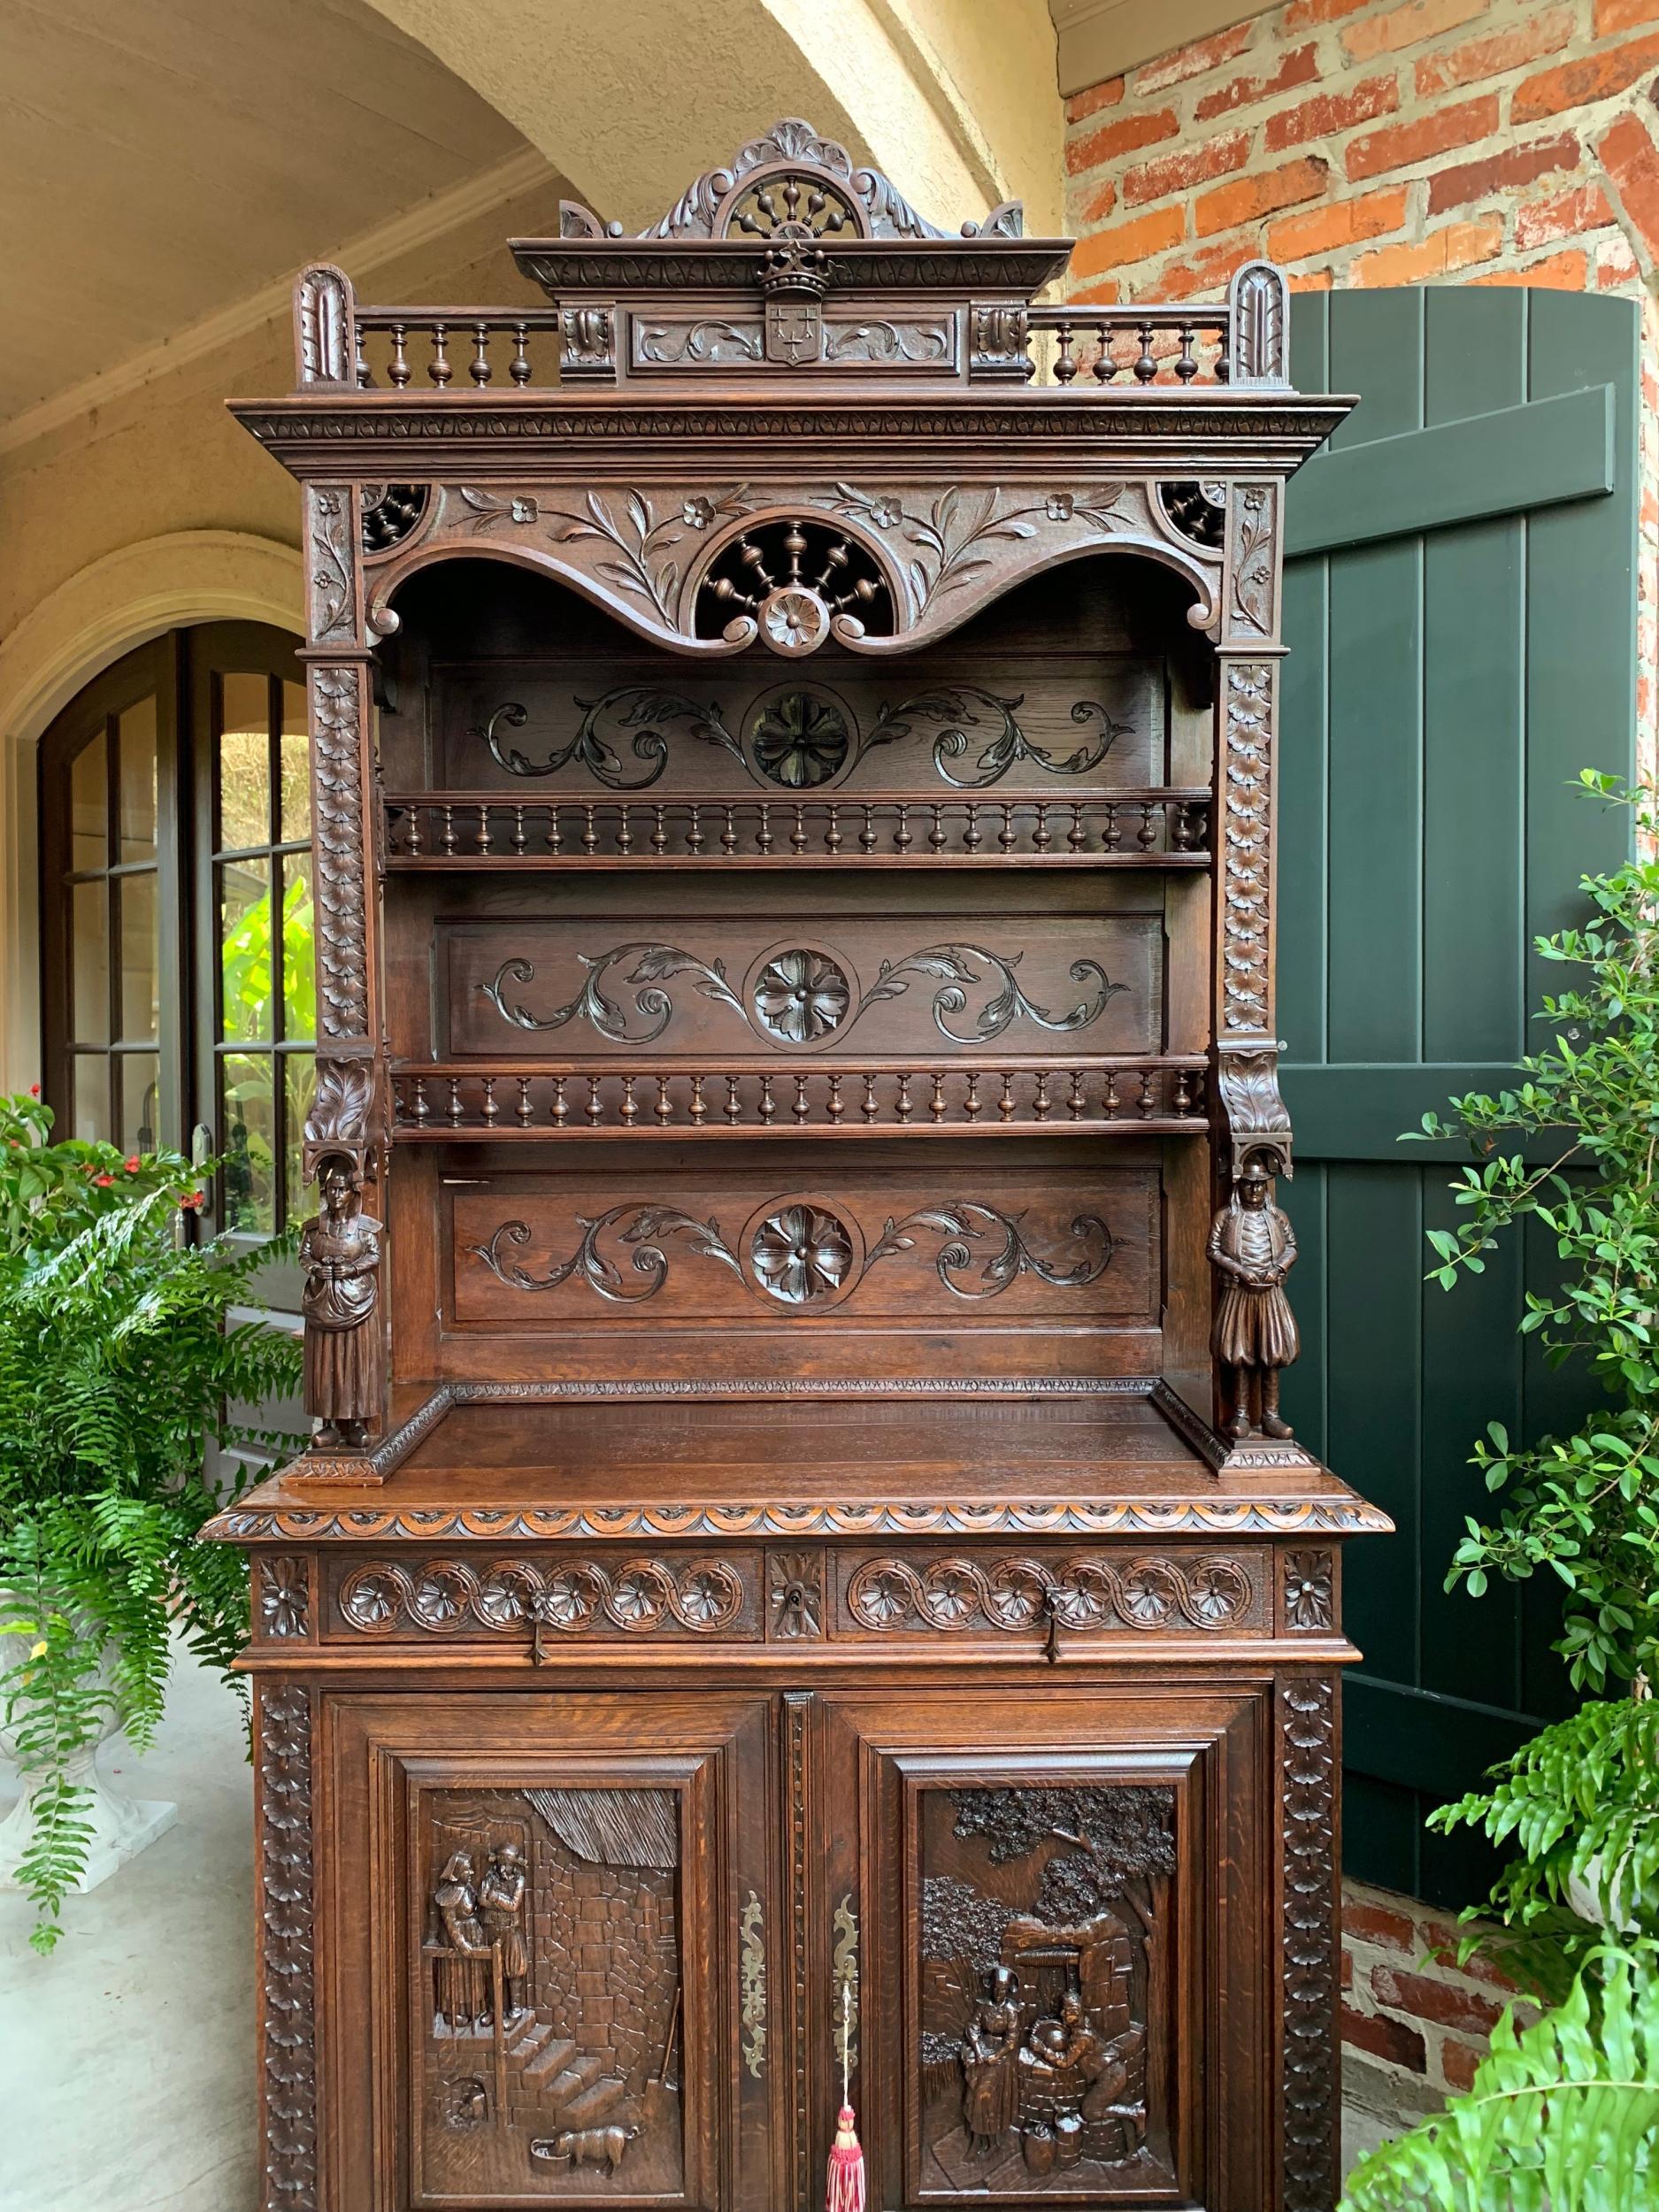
<point>90,620</point>
<point>956,100</point>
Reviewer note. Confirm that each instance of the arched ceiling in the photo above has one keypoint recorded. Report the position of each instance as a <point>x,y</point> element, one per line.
<point>160,160</point>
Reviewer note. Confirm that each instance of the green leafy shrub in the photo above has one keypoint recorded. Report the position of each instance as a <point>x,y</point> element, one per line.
<point>1566,2112</point>
<point>118,1356</point>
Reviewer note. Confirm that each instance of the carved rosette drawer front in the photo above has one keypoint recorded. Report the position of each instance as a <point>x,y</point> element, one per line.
<point>1067,1601</point>
<point>534,1604</point>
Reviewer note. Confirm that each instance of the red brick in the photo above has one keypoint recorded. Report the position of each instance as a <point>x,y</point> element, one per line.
<point>1632,162</point>
<point>1623,15</point>
<point>1099,205</point>
<point>1408,25</point>
<point>1458,246</point>
<point>1209,269</point>
<point>1576,84</point>
<point>1616,265</point>
<point>1101,293</point>
<point>1108,94</point>
<point>1301,13</point>
<point>1422,137</point>
<point>1191,61</point>
<point>1180,173</point>
<point>1300,65</point>
<point>1498,172</point>
<point>1442,2002</point>
<point>1312,280</point>
<point>1331,112</point>
<point>1375,1923</point>
<point>1556,273</point>
<point>1383,2037</point>
<point>1458,2062</point>
<point>1490,57</point>
<point>1568,215</point>
<point>1112,140</point>
<point>1328,230</point>
<point>1120,243</point>
<point>1250,198</point>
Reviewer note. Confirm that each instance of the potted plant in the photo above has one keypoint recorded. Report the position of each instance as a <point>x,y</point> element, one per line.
<point>119,1356</point>
<point>1566,2112</point>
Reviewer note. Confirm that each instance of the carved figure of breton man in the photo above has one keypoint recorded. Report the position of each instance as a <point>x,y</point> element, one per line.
<point>501,1896</point>
<point>1253,1246</point>
<point>345,1348</point>
<point>990,2062</point>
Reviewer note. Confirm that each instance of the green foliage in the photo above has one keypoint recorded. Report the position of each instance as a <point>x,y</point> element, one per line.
<point>118,1358</point>
<point>1586,1507</point>
<point>1563,2114</point>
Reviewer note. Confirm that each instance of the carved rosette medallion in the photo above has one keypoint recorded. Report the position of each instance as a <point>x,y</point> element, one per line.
<point>284,1597</point>
<point>288,2029</point>
<point>1308,1588</point>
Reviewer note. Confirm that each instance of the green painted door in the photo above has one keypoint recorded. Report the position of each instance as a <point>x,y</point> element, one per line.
<point>1461,611</point>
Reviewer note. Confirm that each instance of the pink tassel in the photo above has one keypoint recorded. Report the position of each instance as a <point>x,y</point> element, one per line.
<point>846,2187</point>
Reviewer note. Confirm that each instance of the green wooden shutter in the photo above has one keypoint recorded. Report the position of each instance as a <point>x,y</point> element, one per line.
<point>1461,611</point>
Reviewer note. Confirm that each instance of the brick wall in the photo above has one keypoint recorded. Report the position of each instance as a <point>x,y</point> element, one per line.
<point>1372,142</point>
<point>1414,2025</point>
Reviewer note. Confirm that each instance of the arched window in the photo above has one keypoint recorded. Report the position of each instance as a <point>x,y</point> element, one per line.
<point>176,911</point>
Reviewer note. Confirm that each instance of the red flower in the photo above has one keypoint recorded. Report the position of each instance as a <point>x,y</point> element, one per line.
<point>103,1182</point>
<point>191,1200</point>
<point>34,1090</point>
<point>131,1165</point>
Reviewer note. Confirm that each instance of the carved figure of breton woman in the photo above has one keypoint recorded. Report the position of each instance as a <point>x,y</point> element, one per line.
<point>1254,1248</point>
<point>345,1347</point>
<point>462,1965</point>
<point>990,2062</point>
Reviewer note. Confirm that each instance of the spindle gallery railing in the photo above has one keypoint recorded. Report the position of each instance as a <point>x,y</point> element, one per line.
<point>1130,346</point>
<point>435,347</point>
<point>1133,1097</point>
<point>1150,828</point>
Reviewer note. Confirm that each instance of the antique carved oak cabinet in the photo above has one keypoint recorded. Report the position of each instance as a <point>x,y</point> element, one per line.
<point>800,1565</point>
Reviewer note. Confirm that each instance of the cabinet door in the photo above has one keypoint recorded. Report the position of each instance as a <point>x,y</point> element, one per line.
<point>545,1951</point>
<point>1062,1964</point>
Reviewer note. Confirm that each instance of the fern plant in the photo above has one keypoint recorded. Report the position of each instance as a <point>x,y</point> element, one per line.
<point>118,1357</point>
<point>1566,2113</point>
<point>1563,2114</point>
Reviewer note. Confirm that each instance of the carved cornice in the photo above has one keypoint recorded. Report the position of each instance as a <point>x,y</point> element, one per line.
<point>1205,1517</point>
<point>377,437</point>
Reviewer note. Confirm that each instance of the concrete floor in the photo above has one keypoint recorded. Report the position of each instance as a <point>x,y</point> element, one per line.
<point>127,2056</point>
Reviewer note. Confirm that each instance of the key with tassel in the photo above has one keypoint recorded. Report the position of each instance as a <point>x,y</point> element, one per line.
<point>846,2185</point>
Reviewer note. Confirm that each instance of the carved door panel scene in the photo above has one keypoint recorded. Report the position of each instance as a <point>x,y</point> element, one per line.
<point>565,1931</point>
<point>1058,1959</point>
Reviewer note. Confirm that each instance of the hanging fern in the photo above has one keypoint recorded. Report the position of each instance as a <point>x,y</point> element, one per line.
<point>1564,2114</point>
<point>118,1357</point>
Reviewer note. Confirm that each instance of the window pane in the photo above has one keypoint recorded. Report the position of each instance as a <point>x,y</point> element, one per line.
<point>245,950</point>
<point>300,1071</point>
<point>140,1000</point>
<point>92,1098</point>
<point>244,762</point>
<point>136,732</point>
<point>247,1140</point>
<point>89,806</point>
<point>138,1074</point>
<point>296,786</point>
<point>89,962</point>
<point>299,957</point>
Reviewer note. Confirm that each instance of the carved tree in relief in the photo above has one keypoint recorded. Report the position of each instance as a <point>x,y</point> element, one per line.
<point>548,2007</point>
<point>1044,1978</point>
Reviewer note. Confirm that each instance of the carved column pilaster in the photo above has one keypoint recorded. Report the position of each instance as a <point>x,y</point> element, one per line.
<point>805,2182</point>
<point>287,2034</point>
<point>1308,2068</point>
